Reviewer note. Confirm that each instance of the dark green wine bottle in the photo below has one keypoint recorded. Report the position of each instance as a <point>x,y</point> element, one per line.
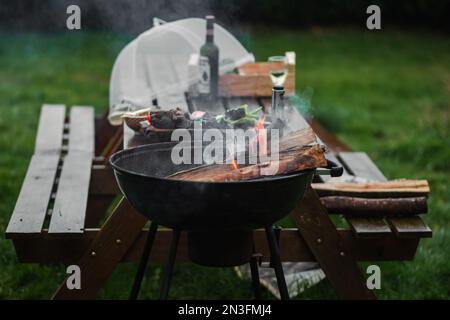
<point>209,63</point>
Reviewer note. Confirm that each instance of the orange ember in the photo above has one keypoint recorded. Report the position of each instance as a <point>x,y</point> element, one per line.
<point>260,124</point>
<point>261,135</point>
<point>234,164</point>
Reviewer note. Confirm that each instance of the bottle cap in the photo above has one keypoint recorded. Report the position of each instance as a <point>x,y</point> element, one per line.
<point>210,22</point>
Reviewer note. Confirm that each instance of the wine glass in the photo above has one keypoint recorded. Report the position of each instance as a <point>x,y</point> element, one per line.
<point>278,70</point>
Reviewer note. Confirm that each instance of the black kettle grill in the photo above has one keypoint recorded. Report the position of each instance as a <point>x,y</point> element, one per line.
<point>219,217</point>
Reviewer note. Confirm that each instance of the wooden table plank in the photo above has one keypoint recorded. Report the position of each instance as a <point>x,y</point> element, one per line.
<point>31,206</point>
<point>410,227</point>
<point>51,248</point>
<point>69,210</point>
<point>82,131</point>
<point>253,79</point>
<point>364,227</point>
<point>362,166</point>
<point>49,136</point>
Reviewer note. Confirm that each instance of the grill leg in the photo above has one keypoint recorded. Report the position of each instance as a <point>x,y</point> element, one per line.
<point>277,233</point>
<point>276,263</point>
<point>144,260</point>
<point>168,268</point>
<point>255,277</point>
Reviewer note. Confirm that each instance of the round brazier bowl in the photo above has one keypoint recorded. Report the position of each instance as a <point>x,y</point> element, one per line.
<point>202,206</point>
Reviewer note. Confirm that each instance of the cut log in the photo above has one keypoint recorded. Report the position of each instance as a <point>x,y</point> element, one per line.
<point>362,207</point>
<point>298,138</point>
<point>388,189</point>
<point>297,151</point>
<point>292,160</point>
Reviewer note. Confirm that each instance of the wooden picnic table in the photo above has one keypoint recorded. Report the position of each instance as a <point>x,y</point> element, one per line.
<point>69,187</point>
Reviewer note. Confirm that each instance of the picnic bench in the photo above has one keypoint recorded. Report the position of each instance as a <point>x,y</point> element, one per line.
<point>69,188</point>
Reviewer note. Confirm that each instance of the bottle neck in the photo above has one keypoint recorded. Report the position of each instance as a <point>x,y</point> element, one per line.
<point>277,101</point>
<point>210,34</point>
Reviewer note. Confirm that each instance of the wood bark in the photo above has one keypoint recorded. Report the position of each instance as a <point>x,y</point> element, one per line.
<point>387,189</point>
<point>364,207</point>
<point>291,160</point>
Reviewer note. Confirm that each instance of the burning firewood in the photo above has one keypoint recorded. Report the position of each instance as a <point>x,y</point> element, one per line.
<point>291,160</point>
<point>298,138</point>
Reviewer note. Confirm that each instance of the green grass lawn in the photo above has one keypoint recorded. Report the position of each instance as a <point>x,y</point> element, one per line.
<point>386,93</point>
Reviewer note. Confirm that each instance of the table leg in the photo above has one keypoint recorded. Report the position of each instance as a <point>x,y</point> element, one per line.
<point>329,249</point>
<point>105,252</point>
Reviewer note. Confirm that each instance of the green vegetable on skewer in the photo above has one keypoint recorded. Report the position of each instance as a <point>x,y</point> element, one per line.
<point>239,116</point>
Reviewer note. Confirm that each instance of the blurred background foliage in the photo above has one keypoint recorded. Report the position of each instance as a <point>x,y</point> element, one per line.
<point>134,16</point>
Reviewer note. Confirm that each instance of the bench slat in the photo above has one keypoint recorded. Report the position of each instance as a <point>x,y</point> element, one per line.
<point>360,165</point>
<point>31,206</point>
<point>410,227</point>
<point>69,211</point>
<point>82,132</point>
<point>50,130</point>
<point>365,227</point>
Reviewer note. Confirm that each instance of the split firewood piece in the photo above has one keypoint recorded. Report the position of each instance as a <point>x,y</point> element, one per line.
<point>394,188</point>
<point>292,160</point>
<point>298,138</point>
<point>366,207</point>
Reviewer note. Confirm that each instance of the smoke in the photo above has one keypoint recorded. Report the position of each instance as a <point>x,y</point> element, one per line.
<point>302,101</point>
<point>132,17</point>
<point>136,16</point>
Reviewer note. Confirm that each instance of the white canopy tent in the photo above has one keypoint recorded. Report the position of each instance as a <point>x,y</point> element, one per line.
<point>155,64</point>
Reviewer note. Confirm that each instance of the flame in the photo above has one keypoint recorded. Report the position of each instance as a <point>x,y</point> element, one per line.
<point>260,139</point>
<point>234,164</point>
<point>260,124</point>
<point>261,135</point>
